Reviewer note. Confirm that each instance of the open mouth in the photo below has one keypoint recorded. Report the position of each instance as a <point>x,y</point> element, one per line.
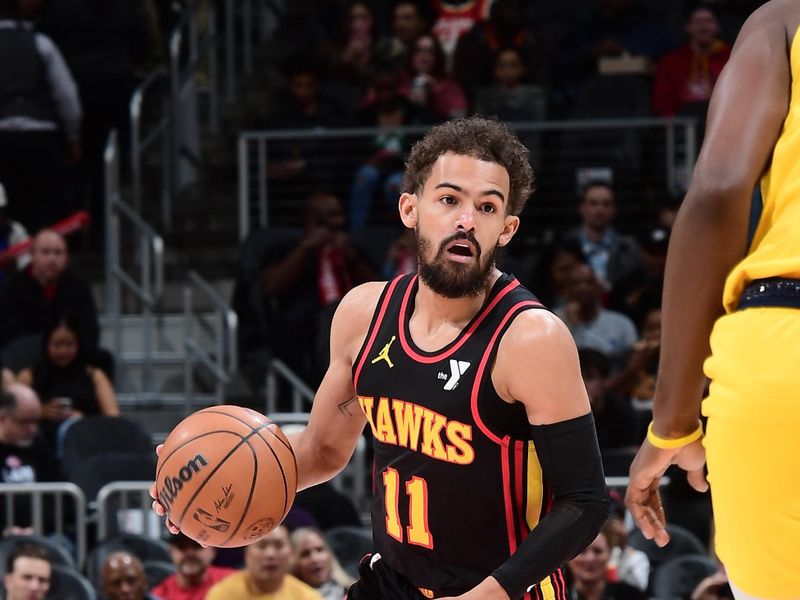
<point>461,250</point>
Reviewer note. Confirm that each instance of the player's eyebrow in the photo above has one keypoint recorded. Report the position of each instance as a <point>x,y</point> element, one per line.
<point>458,188</point>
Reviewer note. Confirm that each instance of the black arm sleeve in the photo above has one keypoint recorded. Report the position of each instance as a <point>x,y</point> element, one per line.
<point>571,465</point>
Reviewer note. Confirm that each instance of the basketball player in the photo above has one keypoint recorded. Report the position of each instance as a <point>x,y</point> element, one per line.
<point>487,473</point>
<point>751,442</point>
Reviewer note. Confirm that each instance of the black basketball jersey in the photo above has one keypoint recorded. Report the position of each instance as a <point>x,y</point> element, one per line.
<point>456,481</point>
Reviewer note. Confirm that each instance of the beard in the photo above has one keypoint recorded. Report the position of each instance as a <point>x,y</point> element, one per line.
<point>192,567</point>
<point>449,278</point>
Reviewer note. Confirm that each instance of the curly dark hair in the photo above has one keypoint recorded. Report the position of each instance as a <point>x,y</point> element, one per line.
<point>485,139</point>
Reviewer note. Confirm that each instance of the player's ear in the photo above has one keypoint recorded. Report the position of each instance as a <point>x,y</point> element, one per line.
<point>510,227</point>
<point>408,209</point>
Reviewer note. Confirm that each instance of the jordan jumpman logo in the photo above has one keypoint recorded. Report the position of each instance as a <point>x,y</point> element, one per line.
<point>384,354</point>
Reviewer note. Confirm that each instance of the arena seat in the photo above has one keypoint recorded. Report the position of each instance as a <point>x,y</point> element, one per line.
<point>677,578</point>
<point>68,584</point>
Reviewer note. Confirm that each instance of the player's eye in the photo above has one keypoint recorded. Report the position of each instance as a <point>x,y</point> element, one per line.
<point>488,208</point>
<point>448,199</point>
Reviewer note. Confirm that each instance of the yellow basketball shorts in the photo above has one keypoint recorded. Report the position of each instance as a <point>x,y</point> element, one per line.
<point>753,448</point>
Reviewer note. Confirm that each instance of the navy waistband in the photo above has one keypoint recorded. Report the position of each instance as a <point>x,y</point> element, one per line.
<point>775,291</point>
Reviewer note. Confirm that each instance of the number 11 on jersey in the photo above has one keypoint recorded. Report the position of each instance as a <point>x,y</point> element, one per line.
<point>417,492</point>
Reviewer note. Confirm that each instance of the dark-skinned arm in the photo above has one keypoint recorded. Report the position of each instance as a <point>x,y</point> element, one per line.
<point>748,107</point>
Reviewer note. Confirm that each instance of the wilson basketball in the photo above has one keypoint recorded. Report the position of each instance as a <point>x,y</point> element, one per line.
<point>226,476</point>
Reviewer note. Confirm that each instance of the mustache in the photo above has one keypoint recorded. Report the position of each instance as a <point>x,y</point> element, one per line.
<point>460,235</point>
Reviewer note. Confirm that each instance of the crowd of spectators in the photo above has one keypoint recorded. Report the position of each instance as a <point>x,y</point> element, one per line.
<point>364,63</point>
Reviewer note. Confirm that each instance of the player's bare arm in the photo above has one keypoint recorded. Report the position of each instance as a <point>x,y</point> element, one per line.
<point>748,107</point>
<point>323,449</point>
<point>537,365</point>
<point>747,111</point>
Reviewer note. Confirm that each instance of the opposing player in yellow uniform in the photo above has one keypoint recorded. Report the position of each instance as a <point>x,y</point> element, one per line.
<point>747,288</point>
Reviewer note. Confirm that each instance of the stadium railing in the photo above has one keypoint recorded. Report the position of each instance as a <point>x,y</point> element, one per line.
<point>148,250</point>
<point>220,326</point>
<point>641,155</point>
<point>67,510</point>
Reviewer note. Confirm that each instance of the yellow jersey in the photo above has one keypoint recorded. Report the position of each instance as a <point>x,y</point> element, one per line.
<point>775,249</point>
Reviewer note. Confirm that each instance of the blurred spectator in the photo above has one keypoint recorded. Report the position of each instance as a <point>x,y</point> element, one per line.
<point>509,98</point>
<point>589,570</point>
<point>387,109</point>
<point>476,53</point>
<point>625,564</point>
<point>308,279</point>
<point>614,419</point>
<point>123,578</point>
<point>11,233</point>
<point>614,29</point>
<point>194,574</point>
<point>593,326</point>
<point>611,255</point>
<point>552,273</point>
<point>427,84</point>
<point>410,20</point>
<point>401,257</point>
<point>455,18</point>
<point>32,299</point>
<point>108,46</point>
<point>39,111</point>
<point>296,166</point>
<point>25,456</point>
<point>637,380</point>
<point>355,54</point>
<point>265,574</point>
<point>302,105</point>
<point>70,387</point>
<point>640,289</point>
<point>316,565</point>
<point>668,211</point>
<point>685,77</point>
<point>27,575</point>
<point>713,587</point>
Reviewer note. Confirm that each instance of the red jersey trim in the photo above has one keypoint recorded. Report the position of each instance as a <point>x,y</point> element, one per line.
<point>425,359</point>
<point>482,367</point>
<point>506,470</point>
<point>374,331</point>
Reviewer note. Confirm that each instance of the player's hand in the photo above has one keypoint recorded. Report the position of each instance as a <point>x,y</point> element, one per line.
<point>158,508</point>
<point>643,499</point>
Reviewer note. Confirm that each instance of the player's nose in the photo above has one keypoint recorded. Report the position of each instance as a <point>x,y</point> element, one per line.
<point>466,217</point>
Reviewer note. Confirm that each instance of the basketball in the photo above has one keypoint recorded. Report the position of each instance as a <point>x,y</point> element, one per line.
<point>226,476</point>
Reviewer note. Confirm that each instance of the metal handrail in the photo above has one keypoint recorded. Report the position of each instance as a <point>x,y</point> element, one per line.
<point>224,361</point>
<point>149,285</point>
<point>179,73</point>
<point>142,141</point>
<point>261,138</point>
<point>277,369</point>
<point>123,488</point>
<point>37,491</point>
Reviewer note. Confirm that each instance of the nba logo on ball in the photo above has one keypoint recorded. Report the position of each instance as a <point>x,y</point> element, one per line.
<point>226,476</point>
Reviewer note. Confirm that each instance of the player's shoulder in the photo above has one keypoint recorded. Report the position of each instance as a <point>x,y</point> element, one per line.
<point>362,299</point>
<point>774,15</point>
<point>536,329</point>
<point>355,311</point>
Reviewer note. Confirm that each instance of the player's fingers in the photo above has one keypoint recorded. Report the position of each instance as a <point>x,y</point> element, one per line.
<point>158,509</point>
<point>158,449</point>
<point>153,491</point>
<point>697,480</point>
